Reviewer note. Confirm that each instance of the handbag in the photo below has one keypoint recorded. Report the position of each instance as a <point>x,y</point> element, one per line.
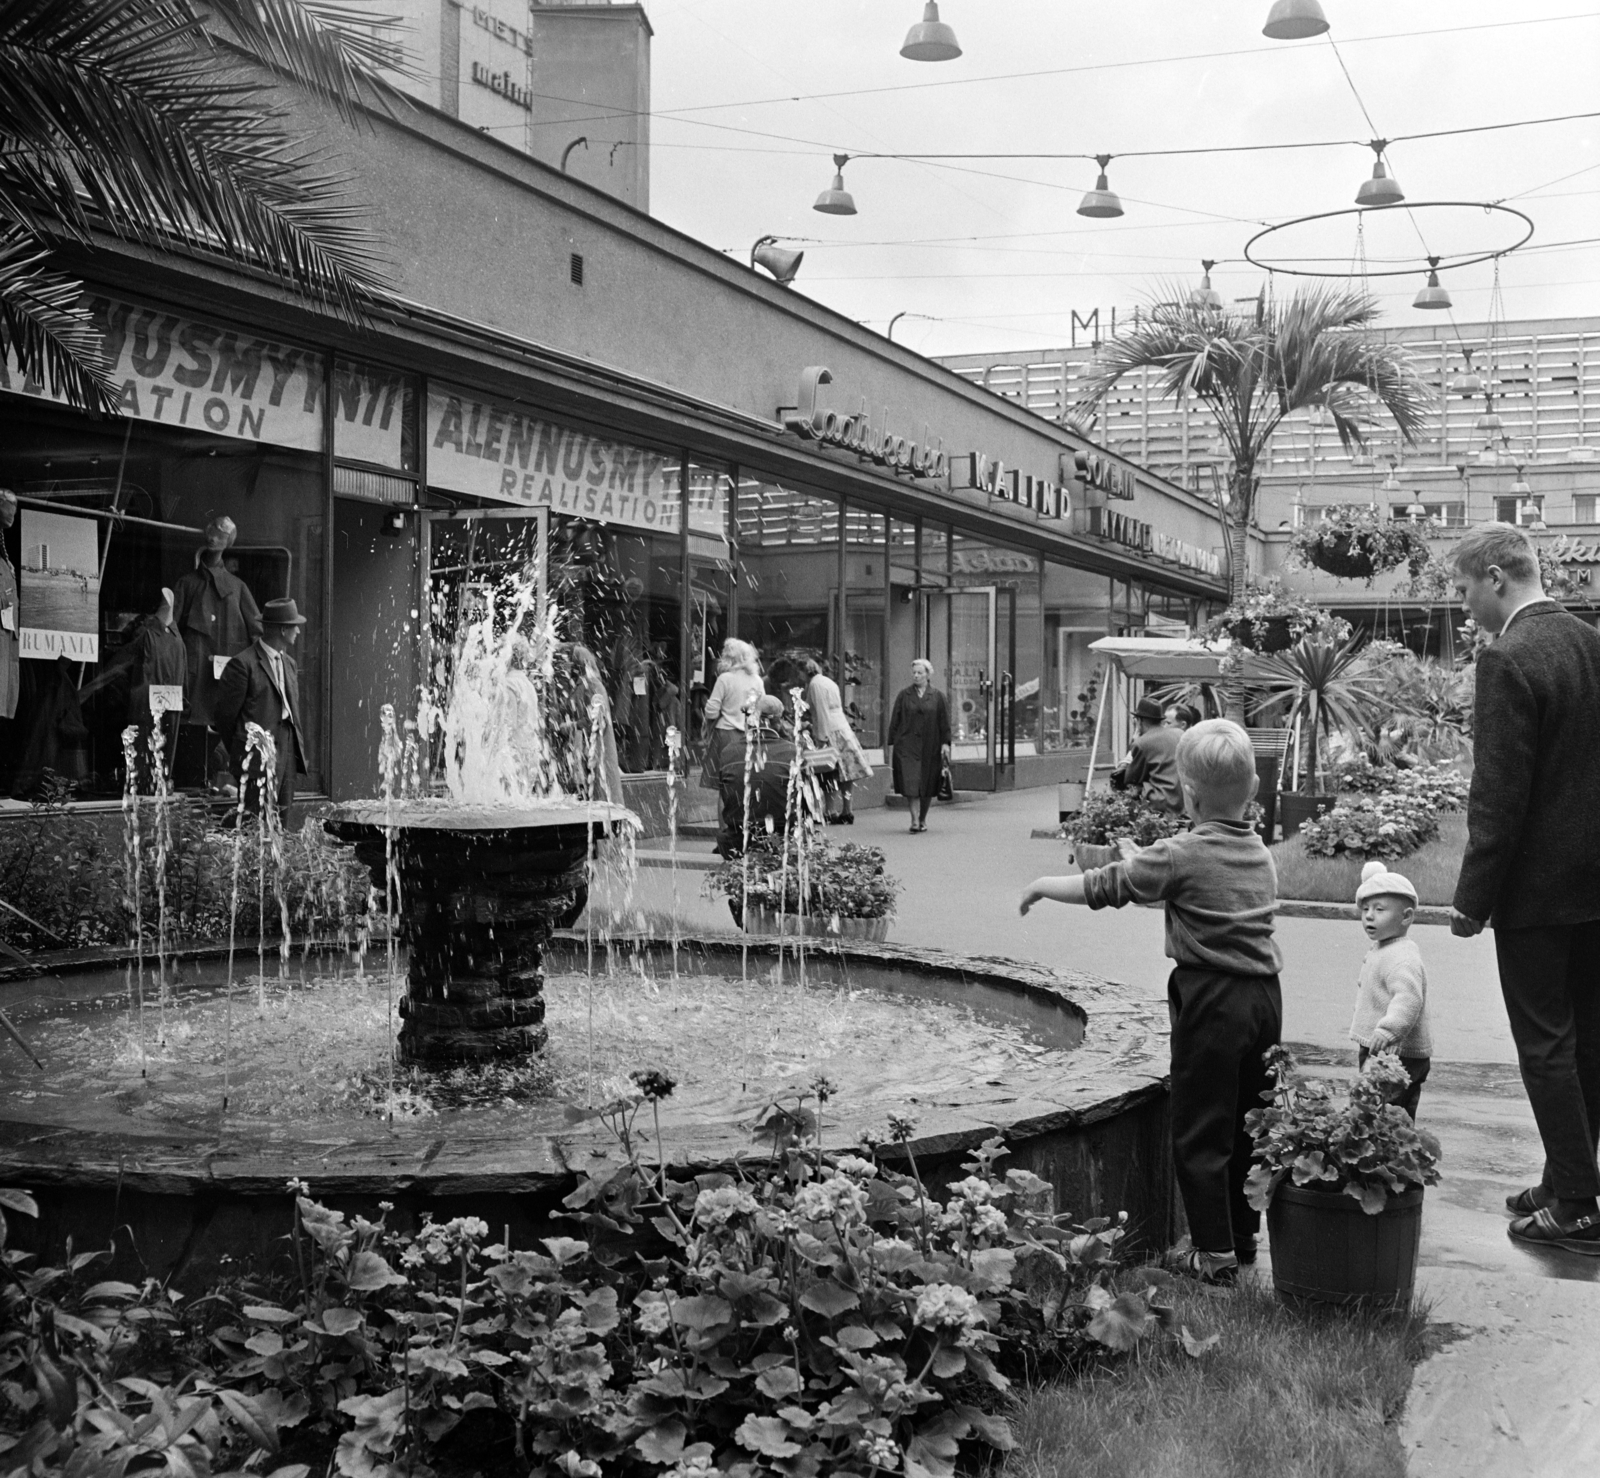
<point>947,787</point>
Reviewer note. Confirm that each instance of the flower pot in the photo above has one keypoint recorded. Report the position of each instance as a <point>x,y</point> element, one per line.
<point>1294,809</point>
<point>1271,634</point>
<point>1088,854</point>
<point>1327,1249</point>
<point>1343,557</point>
<point>788,926</point>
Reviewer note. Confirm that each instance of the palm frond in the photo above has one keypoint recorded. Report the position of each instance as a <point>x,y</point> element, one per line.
<point>42,323</point>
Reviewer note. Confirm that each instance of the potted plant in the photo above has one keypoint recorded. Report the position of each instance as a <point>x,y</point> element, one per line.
<point>1329,689</point>
<point>1266,619</point>
<point>847,892</point>
<point>1108,815</point>
<point>1341,1183</point>
<point>1356,542</point>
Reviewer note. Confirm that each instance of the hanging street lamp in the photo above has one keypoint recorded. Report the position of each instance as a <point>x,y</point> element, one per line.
<point>1469,382</point>
<point>1101,203</point>
<point>836,200</point>
<point>1382,188</point>
<point>930,40</point>
<point>1489,421</point>
<point>1205,296</point>
<point>1294,20</point>
<point>1431,296</point>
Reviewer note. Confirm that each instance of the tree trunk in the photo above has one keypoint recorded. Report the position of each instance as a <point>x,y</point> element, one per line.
<point>1237,526</point>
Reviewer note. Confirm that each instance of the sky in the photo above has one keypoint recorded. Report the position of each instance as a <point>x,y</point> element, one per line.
<point>751,97</point>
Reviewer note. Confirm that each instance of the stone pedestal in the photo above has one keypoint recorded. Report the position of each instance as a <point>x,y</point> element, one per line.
<point>478,903</point>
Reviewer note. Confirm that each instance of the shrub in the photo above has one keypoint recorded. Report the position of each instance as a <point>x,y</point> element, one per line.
<point>1368,1147</point>
<point>1389,825</point>
<point>1440,786</point>
<point>810,1314</point>
<point>1109,814</point>
<point>849,880</point>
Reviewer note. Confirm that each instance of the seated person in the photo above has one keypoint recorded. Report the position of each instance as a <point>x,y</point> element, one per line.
<point>769,780</point>
<point>1151,768</point>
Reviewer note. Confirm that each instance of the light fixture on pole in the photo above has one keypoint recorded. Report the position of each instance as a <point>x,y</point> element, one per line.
<point>1391,484</point>
<point>1294,20</point>
<point>1205,296</point>
<point>1416,509</point>
<point>1101,203</point>
<point>836,200</point>
<point>1432,295</point>
<point>930,40</point>
<point>1522,487</point>
<point>780,263</point>
<point>1469,382</point>
<point>1382,188</point>
<point>1489,422</point>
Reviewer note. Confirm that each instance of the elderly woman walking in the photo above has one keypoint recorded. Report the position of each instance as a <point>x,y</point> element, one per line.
<point>830,726</point>
<point>919,733</point>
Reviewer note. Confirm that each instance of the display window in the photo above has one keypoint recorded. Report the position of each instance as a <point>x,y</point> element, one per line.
<point>861,683</point>
<point>138,559</point>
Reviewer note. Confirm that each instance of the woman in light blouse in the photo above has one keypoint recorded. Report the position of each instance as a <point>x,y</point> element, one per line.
<point>738,682</point>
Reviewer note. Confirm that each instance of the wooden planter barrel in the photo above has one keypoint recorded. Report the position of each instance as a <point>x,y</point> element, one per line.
<point>1325,1248</point>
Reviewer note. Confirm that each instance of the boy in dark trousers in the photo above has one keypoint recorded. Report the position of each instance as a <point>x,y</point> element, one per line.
<point>1220,890</point>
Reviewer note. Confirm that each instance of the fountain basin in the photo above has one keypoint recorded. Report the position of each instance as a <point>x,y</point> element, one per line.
<point>1081,1103</point>
<point>481,888</point>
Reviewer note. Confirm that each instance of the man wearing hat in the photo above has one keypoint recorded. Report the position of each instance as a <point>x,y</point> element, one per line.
<point>1151,768</point>
<point>261,685</point>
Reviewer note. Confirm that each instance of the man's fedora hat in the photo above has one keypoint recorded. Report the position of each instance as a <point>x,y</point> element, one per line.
<point>282,613</point>
<point>1149,710</point>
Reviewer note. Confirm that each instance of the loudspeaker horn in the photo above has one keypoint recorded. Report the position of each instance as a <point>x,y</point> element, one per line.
<point>780,263</point>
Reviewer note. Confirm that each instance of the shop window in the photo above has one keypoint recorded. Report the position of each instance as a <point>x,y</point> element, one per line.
<point>1584,508</point>
<point>788,551</point>
<point>79,668</point>
<point>861,683</point>
<point>710,592</point>
<point>1076,613</point>
<point>1453,515</point>
<point>1522,511</point>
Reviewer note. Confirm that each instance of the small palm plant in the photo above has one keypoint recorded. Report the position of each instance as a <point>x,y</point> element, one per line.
<point>1252,369</point>
<point>1330,687</point>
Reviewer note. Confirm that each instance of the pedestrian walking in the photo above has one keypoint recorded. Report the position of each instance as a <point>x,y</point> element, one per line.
<point>919,736</point>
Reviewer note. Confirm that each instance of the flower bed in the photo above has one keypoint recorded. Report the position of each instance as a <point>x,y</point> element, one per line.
<point>848,881</point>
<point>815,1314</point>
<point>1109,814</point>
<point>1389,826</point>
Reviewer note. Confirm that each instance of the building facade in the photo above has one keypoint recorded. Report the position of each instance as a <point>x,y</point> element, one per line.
<point>707,453</point>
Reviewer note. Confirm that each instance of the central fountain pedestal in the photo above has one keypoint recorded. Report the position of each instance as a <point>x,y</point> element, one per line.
<point>481,889</point>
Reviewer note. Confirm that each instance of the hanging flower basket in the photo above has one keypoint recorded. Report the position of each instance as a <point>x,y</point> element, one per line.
<point>1356,543</point>
<point>1345,557</point>
<point>1266,634</point>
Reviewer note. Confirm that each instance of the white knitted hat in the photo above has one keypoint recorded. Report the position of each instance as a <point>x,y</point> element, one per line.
<point>1377,882</point>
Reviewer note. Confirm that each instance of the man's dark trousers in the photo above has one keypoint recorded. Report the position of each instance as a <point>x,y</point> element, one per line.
<point>1550,978</point>
<point>1221,1026</point>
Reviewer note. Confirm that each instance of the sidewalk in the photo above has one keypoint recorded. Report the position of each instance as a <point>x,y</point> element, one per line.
<point>1519,1392</point>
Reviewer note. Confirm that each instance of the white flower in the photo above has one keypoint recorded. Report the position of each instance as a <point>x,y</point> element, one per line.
<point>718,1207</point>
<point>881,1452</point>
<point>855,1167</point>
<point>979,1192</point>
<point>944,1306</point>
<point>837,1197</point>
<point>654,1315</point>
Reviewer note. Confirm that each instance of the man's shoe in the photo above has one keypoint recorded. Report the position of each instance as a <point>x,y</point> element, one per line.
<point>1245,1251</point>
<point>1526,1203</point>
<point>1217,1269</point>
<point>1580,1235</point>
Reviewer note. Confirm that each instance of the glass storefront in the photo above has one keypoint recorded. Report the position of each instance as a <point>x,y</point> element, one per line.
<point>866,556</point>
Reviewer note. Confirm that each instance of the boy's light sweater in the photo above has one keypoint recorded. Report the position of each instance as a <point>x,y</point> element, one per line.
<point>1220,889</point>
<point>1392,993</point>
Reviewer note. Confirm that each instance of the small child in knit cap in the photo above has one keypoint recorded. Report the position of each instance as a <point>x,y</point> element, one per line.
<point>1392,990</point>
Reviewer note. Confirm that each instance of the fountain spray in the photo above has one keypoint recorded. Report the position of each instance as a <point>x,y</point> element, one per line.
<point>674,748</point>
<point>162,785</point>
<point>253,735</point>
<point>133,872</point>
<point>754,757</point>
<point>390,757</point>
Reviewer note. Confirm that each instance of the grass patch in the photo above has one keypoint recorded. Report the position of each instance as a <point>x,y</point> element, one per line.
<point>1285,1394</point>
<point>1432,868</point>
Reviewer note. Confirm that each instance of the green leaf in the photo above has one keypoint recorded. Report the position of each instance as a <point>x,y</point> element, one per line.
<point>856,1337</point>
<point>250,1418</point>
<point>768,1435</point>
<point>342,1321</point>
<point>565,1249</point>
<point>662,1444</point>
<point>701,1312</point>
<point>18,1201</point>
<point>368,1272</point>
<point>829,1299</point>
<point>599,1307</point>
<point>1123,1323</point>
<point>1373,1198</point>
<point>948,1363</point>
<point>994,1266</point>
<point>995,1430</point>
<point>1195,1346</point>
<point>779,1381</point>
<point>266,1343</point>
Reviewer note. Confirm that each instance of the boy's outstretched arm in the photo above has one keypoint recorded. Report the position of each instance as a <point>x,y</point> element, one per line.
<point>1060,890</point>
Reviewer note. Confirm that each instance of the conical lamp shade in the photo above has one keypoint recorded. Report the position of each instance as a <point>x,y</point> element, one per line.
<point>1294,20</point>
<point>1468,383</point>
<point>1488,421</point>
<point>1205,296</point>
<point>930,40</point>
<point>836,200</point>
<point>1381,189</point>
<point>1101,202</point>
<point>1432,296</point>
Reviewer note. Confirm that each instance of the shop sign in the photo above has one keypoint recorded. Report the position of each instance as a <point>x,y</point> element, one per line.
<point>1099,472</point>
<point>993,562</point>
<point>369,414</point>
<point>178,371</point>
<point>503,84</point>
<point>59,591</point>
<point>855,433</point>
<point>1134,533</point>
<point>498,28</point>
<point>1190,556</point>
<point>1571,551</point>
<point>492,450</point>
<point>992,476</point>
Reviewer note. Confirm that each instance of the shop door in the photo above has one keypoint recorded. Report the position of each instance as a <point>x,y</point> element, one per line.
<point>476,560</point>
<point>980,684</point>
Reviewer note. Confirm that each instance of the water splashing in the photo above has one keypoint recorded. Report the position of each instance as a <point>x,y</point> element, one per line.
<point>133,872</point>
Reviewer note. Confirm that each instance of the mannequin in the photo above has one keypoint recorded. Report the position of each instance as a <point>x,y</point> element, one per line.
<point>216,616</point>
<point>10,658</point>
<point>153,658</point>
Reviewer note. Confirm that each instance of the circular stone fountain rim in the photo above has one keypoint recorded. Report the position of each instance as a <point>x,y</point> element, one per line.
<point>440,814</point>
<point>1122,1060</point>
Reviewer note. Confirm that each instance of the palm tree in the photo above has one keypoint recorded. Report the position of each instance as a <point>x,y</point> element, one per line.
<point>1252,369</point>
<point>1329,685</point>
<point>136,119</point>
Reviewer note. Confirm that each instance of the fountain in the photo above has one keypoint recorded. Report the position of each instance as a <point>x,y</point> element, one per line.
<point>482,850</point>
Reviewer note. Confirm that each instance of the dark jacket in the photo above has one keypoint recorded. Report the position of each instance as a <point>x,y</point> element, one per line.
<point>1151,772</point>
<point>1533,813</point>
<point>247,694</point>
<point>918,728</point>
<point>217,616</point>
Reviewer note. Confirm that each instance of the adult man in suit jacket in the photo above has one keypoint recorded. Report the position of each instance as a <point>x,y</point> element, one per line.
<point>1532,864</point>
<point>261,685</point>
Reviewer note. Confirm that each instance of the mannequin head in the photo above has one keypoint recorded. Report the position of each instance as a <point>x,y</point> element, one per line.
<point>220,534</point>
